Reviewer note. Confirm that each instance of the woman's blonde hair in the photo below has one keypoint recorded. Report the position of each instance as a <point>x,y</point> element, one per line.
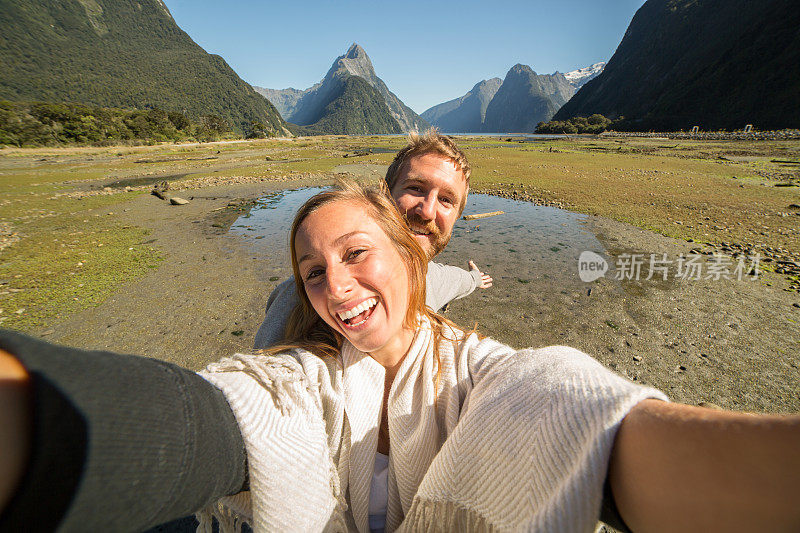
<point>305,328</point>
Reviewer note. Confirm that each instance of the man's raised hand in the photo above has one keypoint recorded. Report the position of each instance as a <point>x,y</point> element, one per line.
<point>486,279</point>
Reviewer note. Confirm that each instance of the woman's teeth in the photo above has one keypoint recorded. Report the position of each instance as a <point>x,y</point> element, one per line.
<point>357,310</point>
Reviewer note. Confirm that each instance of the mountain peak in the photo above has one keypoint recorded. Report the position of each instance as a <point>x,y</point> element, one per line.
<point>310,106</point>
<point>519,68</point>
<point>355,62</point>
<point>355,51</point>
<point>491,82</point>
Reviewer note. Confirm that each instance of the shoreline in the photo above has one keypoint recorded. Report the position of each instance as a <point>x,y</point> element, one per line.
<point>755,135</point>
<point>772,135</point>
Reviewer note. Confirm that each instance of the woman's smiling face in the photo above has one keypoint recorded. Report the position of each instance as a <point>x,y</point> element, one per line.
<point>355,278</point>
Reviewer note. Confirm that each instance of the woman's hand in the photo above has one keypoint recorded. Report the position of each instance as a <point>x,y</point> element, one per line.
<point>682,468</point>
<point>15,418</point>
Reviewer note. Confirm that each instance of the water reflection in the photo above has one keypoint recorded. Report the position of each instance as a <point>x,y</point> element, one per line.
<point>267,223</point>
<point>528,243</point>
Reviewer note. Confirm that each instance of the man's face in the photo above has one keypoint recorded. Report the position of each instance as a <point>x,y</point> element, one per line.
<point>429,192</point>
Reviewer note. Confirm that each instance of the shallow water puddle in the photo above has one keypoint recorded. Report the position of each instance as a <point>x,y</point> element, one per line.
<point>266,226</point>
<point>527,244</point>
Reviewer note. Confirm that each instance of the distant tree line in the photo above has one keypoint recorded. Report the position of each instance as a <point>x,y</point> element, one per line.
<point>51,124</point>
<point>593,124</point>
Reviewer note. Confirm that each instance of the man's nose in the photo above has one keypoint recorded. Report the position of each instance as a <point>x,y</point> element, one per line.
<point>339,280</point>
<point>427,207</point>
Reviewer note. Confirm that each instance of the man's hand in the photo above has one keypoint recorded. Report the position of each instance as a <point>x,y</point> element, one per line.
<point>486,279</point>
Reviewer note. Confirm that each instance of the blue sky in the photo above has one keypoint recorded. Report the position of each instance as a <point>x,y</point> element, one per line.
<point>426,52</point>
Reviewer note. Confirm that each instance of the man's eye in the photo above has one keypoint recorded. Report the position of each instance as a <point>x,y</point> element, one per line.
<point>414,188</point>
<point>445,200</point>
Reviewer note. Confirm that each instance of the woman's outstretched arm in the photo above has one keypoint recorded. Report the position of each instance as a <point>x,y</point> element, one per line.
<point>682,468</point>
<point>15,423</point>
<point>117,442</point>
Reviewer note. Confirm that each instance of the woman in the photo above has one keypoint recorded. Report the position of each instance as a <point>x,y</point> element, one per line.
<point>360,274</point>
<point>478,436</point>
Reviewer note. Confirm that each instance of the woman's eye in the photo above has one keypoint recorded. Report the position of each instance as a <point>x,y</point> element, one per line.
<point>355,253</point>
<point>313,273</point>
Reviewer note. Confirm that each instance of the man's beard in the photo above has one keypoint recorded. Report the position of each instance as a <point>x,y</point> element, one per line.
<point>437,241</point>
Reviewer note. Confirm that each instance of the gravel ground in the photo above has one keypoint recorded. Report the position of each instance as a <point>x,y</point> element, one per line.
<point>730,343</point>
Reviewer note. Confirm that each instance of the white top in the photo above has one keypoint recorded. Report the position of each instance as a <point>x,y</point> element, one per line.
<point>510,440</point>
<point>379,494</point>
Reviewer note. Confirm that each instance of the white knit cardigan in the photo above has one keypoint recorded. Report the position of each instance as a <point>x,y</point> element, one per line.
<point>512,440</point>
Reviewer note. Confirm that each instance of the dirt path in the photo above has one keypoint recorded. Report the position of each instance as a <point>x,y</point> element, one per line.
<point>734,344</point>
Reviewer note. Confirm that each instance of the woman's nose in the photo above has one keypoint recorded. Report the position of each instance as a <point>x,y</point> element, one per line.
<point>340,281</point>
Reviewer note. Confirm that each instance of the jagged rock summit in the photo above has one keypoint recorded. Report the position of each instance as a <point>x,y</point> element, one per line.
<point>356,62</point>
<point>516,104</point>
<point>525,99</point>
<point>308,107</point>
<point>465,114</point>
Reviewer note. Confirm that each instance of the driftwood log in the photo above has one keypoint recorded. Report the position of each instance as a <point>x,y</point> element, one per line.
<point>483,215</point>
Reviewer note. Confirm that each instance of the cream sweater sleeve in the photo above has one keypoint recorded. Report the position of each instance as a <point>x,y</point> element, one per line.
<point>294,485</point>
<point>531,449</point>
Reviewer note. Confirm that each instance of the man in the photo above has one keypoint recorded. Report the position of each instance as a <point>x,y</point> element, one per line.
<point>429,181</point>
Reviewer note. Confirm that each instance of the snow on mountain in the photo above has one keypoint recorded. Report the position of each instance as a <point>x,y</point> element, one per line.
<point>577,78</point>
